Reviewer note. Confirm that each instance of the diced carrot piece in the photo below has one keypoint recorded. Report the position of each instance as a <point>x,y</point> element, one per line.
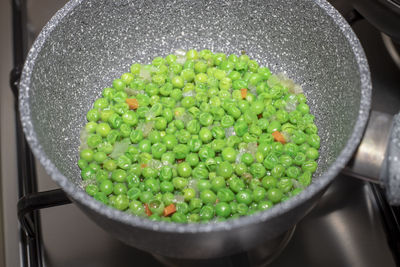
<point>279,137</point>
<point>147,210</point>
<point>243,91</point>
<point>143,165</point>
<point>168,210</point>
<point>132,102</point>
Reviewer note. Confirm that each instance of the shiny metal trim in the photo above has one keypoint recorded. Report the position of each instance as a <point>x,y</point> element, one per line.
<point>370,155</point>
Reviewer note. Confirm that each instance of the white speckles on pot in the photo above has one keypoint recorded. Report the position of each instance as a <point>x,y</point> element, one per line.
<point>392,175</point>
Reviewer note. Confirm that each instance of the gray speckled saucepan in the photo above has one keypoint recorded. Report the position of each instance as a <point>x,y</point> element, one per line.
<point>89,43</point>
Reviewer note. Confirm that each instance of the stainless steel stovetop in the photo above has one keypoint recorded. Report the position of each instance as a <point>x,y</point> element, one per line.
<point>345,228</point>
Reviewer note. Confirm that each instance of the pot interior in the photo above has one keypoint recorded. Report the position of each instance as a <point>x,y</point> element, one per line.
<point>98,41</point>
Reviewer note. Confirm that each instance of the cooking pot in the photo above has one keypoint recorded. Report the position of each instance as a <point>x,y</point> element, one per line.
<point>89,43</point>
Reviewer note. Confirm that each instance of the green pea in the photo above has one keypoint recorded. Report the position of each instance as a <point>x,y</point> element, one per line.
<point>293,171</point>
<point>312,153</point>
<point>101,175</point>
<point>236,184</point>
<point>93,140</point>
<point>144,145</point>
<point>229,154</point>
<point>205,135</point>
<point>233,140</point>
<point>225,194</point>
<point>275,195</point>
<point>132,179</point>
<point>82,163</point>
<point>200,172</point>
<point>223,209</point>
<point>183,136</point>
<point>137,208</point>
<point>285,184</point>
<point>310,166</point>
<point>258,170</point>
<point>156,206</point>
<point>274,126</point>
<point>125,130</point>
<point>91,189</point>
<point>227,121</point>
<point>184,169</point>
<point>133,193</point>
<point>179,183</point>
<point>93,115</point>
<point>168,198</point>
<point>87,155</point>
<point>181,150</point>
<point>270,161</point>
<point>203,185</point>
<point>259,194</point>
<point>277,171</point>
<point>240,169</point>
<point>192,159</point>
<point>110,165</point>
<point>224,169</point>
<point>217,183</point>
<point>108,93</point>
<point>314,140</point>
<point>145,196</point>
<point>206,213</point>
<point>240,128</point>
<point>120,189</point>
<point>123,162</point>
<point>158,149</point>
<point>121,202</point>
<point>218,145</point>
<point>105,147</point>
<point>119,175</point>
<point>244,196</point>
<point>242,209</point>
<point>193,126</point>
<point>195,145</point>
<point>285,160</point>
<point>305,178</point>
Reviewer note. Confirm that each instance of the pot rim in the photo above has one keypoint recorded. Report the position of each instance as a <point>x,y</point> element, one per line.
<point>79,195</point>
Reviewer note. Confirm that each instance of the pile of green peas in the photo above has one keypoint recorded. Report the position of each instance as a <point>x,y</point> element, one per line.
<point>200,137</point>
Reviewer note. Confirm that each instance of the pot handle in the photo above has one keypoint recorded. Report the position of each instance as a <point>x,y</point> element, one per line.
<point>377,158</point>
<point>391,168</point>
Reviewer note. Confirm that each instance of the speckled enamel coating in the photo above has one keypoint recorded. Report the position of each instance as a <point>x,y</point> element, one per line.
<point>89,43</point>
<point>391,178</point>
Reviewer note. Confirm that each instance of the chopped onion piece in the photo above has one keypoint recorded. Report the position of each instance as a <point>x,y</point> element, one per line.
<point>120,148</point>
<point>83,139</point>
<point>155,164</point>
<point>180,52</point>
<point>130,91</point>
<point>252,89</point>
<point>181,60</point>
<point>252,148</point>
<point>286,135</point>
<point>178,198</point>
<point>145,74</point>
<point>297,89</point>
<point>146,127</point>
<point>239,155</point>
<point>229,132</point>
<point>290,106</point>
<point>189,93</point>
